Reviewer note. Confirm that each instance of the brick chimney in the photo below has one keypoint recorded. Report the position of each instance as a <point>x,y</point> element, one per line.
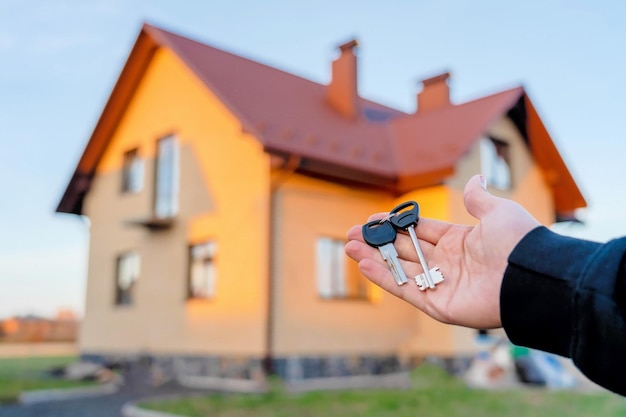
<point>342,93</point>
<point>435,93</point>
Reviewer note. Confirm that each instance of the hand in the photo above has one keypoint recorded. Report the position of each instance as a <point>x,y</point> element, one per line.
<point>472,259</point>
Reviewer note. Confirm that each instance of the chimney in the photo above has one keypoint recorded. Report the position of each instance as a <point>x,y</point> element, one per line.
<point>342,92</point>
<point>435,93</point>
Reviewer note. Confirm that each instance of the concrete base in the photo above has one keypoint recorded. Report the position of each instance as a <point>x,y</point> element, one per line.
<point>33,397</point>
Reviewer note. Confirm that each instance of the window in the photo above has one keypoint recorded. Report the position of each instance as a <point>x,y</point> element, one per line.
<point>167,178</point>
<point>127,275</point>
<point>202,273</point>
<point>337,275</point>
<point>494,159</point>
<point>132,172</point>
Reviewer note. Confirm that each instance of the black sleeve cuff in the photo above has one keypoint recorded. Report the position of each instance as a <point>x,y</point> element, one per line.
<point>568,296</point>
<point>537,298</point>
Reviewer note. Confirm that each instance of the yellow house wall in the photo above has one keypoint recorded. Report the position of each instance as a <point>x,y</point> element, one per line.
<point>223,196</point>
<point>305,323</point>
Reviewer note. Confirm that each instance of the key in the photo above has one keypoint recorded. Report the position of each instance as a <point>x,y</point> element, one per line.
<point>406,220</point>
<point>381,235</point>
<point>436,275</point>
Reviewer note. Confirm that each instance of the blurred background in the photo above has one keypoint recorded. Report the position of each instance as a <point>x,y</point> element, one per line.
<point>60,60</point>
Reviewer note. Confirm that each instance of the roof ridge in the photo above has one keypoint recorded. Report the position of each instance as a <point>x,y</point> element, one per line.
<point>204,44</point>
<point>163,40</point>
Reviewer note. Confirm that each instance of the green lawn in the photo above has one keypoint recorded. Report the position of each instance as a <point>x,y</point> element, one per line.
<point>24,374</point>
<point>434,394</point>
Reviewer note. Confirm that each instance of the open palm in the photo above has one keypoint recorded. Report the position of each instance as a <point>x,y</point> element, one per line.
<point>472,259</point>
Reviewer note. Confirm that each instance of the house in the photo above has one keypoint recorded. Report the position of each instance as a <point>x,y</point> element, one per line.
<point>219,192</point>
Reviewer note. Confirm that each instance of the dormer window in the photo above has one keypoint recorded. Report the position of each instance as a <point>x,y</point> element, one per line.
<point>132,172</point>
<point>167,178</point>
<point>495,163</point>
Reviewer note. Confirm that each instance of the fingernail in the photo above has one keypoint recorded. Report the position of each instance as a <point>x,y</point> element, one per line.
<point>483,182</point>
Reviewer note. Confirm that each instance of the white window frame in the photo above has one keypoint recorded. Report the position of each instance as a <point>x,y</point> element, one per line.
<point>332,271</point>
<point>167,178</point>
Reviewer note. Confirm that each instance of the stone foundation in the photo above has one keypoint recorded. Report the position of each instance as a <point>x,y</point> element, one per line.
<point>292,368</point>
<point>298,368</point>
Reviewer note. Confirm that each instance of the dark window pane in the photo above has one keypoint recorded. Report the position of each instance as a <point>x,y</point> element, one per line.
<point>202,272</point>
<point>128,267</point>
<point>132,172</point>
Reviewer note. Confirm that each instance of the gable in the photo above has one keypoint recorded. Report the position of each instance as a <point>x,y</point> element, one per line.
<point>288,115</point>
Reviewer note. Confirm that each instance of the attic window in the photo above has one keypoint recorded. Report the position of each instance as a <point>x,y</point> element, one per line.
<point>132,172</point>
<point>495,163</point>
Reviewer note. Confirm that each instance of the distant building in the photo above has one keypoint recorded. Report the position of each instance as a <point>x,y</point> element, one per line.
<point>219,192</point>
<point>21,329</point>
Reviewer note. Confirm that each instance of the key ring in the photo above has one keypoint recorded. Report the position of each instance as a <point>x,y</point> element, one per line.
<point>387,218</point>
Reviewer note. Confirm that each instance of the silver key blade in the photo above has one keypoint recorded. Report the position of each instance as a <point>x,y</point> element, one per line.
<point>391,256</point>
<point>422,281</point>
<point>430,280</point>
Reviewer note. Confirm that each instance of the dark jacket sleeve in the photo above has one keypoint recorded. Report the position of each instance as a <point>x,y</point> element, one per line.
<point>567,296</point>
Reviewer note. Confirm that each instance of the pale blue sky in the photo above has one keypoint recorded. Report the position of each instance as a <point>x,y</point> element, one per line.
<point>60,59</point>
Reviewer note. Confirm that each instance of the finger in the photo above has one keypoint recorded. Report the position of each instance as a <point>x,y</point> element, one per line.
<point>358,251</point>
<point>431,230</point>
<point>405,248</point>
<point>380,275</point>
<point>403,244</point>
<point>362,253</point>
<point>478,201</point>
<point>409,252</point>
<point>355,233</point>
<point>430,233</point>
<point>377,216</point>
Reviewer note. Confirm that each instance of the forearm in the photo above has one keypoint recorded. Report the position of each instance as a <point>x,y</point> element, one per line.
<point>566,296</point>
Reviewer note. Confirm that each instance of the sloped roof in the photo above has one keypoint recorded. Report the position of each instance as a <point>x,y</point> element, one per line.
<point>289,115</point>
<point>435,140</point>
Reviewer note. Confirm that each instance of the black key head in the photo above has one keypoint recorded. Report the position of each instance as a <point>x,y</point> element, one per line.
<point>377,234</point>
<point>405,215</point>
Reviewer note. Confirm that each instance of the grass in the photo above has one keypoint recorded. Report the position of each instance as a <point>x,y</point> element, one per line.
<point>25,374</point>
<point>434,394</point>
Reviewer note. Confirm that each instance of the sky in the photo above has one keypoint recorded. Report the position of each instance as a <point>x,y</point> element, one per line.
<point>59,61</point>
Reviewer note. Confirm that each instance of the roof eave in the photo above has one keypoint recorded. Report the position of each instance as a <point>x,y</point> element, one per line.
<point>567,195</point>
<point>129,78</point>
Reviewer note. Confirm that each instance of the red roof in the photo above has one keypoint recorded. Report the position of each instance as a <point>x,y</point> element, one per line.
<point>289,115</point>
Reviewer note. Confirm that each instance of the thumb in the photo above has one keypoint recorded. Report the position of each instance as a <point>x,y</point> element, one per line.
<point>477,199</point>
